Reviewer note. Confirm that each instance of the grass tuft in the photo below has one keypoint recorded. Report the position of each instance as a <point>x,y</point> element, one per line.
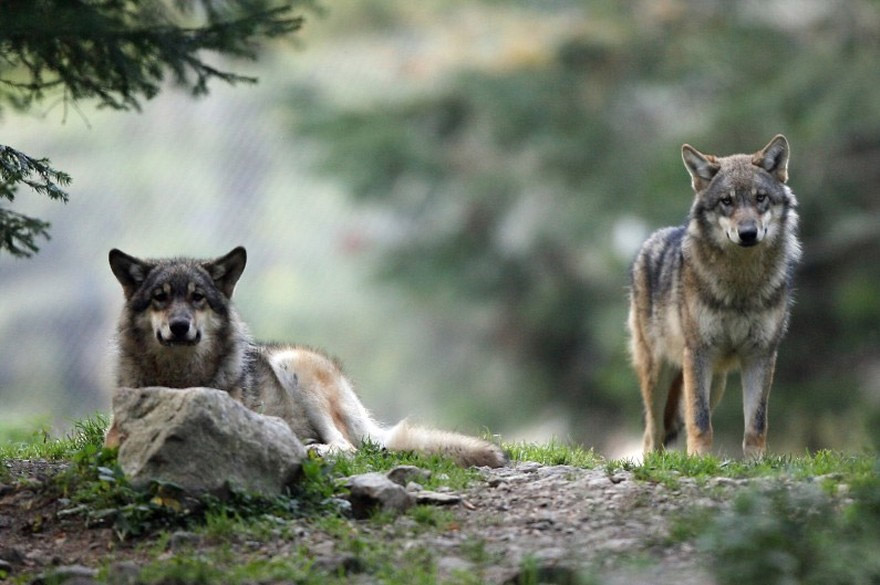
<point>669,467</point>
<point>554,452</point>
<point>37,443</point>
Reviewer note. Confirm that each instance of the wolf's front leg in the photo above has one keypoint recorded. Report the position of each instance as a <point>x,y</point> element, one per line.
<point>331,449</point>
<point>757,377</point>
<point>697,370</point>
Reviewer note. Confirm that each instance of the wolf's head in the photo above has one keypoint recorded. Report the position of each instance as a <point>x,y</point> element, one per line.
<point>179,302</point>
<point>741,198</point>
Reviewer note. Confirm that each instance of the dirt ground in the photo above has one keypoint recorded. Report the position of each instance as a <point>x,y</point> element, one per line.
<point>561,521</point>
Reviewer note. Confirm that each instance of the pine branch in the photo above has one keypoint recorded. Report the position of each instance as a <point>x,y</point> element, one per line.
<point>18,232</point>
<point>119,52</point>
<point>17,167</point>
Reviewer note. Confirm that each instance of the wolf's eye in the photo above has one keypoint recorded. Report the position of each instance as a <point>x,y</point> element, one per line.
<point>197,297</point>
<point>160,296</point>
<point>726,200</point>
<point>760,197</point>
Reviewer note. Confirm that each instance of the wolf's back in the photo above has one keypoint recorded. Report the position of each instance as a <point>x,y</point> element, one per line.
<point>465,450</point>
<point>657,265</point>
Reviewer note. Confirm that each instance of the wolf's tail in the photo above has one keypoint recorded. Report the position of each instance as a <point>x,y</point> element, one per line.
<point>464,450</point>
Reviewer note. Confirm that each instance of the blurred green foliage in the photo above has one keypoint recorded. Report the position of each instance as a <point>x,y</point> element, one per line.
<point>523,188</point>
<point>785,534</point>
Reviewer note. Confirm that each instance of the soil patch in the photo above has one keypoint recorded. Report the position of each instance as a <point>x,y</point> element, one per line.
<point>556,521</point>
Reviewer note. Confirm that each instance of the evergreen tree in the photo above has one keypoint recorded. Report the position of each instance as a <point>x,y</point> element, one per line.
<point>118,52</point>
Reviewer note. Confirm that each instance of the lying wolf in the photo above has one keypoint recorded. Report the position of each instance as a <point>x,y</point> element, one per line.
<point>178,329</point>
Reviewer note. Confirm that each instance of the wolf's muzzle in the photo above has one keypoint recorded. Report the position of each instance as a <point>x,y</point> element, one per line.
<point>180,331</point>
<point>748,234</point>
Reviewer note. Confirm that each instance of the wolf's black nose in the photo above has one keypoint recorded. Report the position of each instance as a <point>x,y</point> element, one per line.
<point>748,235</point>
<point>179,328</point>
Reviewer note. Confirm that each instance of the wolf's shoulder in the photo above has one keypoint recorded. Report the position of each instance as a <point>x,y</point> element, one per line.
<point>662,244</point>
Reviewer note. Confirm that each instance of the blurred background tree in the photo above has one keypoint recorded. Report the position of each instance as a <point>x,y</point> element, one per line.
<point>447,194</point>
<point>525,190</point>
<point>117,52</point>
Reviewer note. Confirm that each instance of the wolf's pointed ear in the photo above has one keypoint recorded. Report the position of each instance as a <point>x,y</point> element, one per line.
<point>129,271</point>
<point>701,167</point>
<point>226,270</point>
<point>773,158</point>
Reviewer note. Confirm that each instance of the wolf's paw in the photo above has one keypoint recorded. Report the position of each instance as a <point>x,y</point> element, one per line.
<point>330,449</point>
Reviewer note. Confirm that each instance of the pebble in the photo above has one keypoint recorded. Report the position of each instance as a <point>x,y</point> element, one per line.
<point>124,573</point>
<point>182,538</point>
<point>447,565</point>
<point>404,474</point>
<point>427,497</point>
<point>68,575</point>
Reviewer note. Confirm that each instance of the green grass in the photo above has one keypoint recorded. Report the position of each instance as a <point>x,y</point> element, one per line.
<point>444,472</point>
<point>781,534</point>
<point>669,467</point>
<point>19,442</point>
<point>554,452</point>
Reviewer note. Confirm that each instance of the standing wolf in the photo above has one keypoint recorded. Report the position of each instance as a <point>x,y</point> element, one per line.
<point>179,329</point>
<point>713,295</point>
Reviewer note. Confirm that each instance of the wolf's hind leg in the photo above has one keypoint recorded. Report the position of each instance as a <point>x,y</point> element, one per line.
<point>655,376</point>
<point>654,394</point>
<point>673,414</point>
<point>330,449</point>
<point>319,393</point>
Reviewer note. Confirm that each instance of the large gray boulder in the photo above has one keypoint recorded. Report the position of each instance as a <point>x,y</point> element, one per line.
<point>203,441</point>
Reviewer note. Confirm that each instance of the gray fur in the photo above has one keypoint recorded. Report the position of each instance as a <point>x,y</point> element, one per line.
<point>178,329</point>
<point>714,295</point>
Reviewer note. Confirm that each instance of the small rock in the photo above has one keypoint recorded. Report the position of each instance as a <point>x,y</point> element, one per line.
<point>182,538</point>
<point>68,575</point>
<point>617,478</point>
<point>403,474</point>
<point>447,565</point>
<point>72,511</point>
<point>5,568</point>
<point>550,555</point>
<point>432,498</point>
<point>722,482</point>
<point>124,573</point>
<point>38,557</point>
<point>341,505</point>
<point>828,476</point>
<point>528,467</point>
<point>545,573</point>
<point>344,564</point>
<point>371,491</point>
